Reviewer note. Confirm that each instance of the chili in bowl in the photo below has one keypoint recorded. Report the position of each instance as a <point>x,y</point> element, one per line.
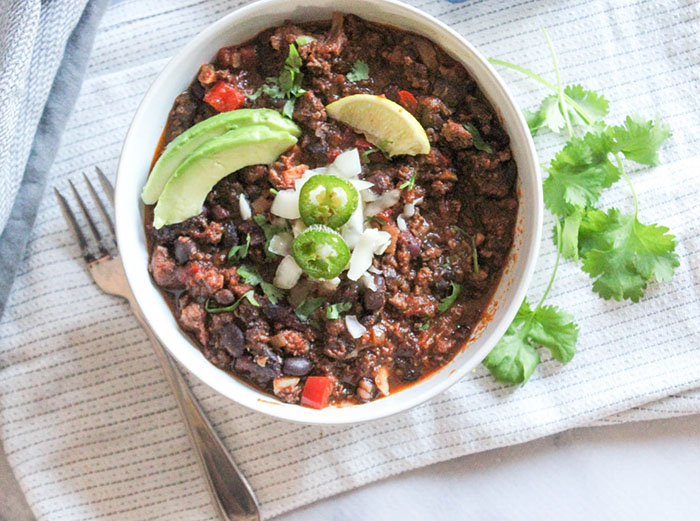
<point>343,209</point>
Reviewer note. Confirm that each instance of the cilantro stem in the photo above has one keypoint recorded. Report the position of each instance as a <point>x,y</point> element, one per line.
<point>560,89</point>
<point>629,182</point>
<point>582,112</point>
<point>556,266</point>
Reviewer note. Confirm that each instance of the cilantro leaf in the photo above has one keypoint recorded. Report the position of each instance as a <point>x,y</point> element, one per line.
<point>579,173</point>
<point>569,234</point>
<point>306,308</point>
<point>359,71</point>
<point>477,140</point>
<point>293,60</point>
<point>288,109</point>
<point>514,358</point>
<point>584,108</point>
<point>249,275</point>
<point>272,292</point>
<point>555,329</point>
<point>334,310</point>
<point>640,140</point>
<point>623,254</point>
<point>240,252</point>
<point>589,105</point>
<point>450,299</point>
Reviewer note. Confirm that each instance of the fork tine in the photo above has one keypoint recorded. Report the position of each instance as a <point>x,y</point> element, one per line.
<point>106,185</point>
<point>73,225</point>
<point>100,207</point>
<point>88,218</point>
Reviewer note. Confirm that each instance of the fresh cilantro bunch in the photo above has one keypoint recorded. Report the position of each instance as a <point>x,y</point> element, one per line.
<point>619,252</point>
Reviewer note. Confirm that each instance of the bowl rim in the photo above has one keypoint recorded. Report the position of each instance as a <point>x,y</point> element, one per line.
<point>266,403</point>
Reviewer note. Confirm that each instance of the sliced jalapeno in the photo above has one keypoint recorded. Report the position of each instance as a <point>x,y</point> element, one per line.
<point>320,252</point>
<point>327,199</point>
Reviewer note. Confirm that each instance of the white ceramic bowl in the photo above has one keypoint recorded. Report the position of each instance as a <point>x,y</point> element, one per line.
<point>146,128</point>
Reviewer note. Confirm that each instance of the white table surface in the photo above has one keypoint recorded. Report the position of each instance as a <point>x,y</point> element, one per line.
<point>641,471</point>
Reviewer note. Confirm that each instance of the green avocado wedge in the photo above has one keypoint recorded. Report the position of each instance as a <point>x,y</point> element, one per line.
<point>185,192</point>
<point>186,143</point>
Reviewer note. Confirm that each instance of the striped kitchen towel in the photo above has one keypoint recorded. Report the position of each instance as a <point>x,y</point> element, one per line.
<point>88,422</point>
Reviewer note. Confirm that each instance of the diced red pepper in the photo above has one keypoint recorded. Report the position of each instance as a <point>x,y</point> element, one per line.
<point>316,391</point>
<point>408,101</point>
<point>224,97</point>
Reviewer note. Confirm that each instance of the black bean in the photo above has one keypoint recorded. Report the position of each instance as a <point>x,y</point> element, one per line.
<point>297,366</point>
<point>375,299</point>
<point>224,297</point>
<point>229,234</point>
<point>230,337</point>
<point>407,349</point>
<point>246,366</point>
<point>283,315</point>
<point>184,248</point>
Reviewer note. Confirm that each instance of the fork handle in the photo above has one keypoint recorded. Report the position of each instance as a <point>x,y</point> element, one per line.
<point>230,492</point>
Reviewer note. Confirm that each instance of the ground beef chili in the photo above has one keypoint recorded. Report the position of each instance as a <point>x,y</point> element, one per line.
<point>467,208</point>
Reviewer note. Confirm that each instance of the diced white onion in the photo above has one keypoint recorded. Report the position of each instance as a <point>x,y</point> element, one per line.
<point>372,269</point>
<point>386,200</point>
<point>281,383</point>
<point>401,223</point>
<point>286,204</point>
<point>287,274</point>
<point>418,201</point>
<point>369,195</point>
<point>367,280</point>
<point>330,284</point>
<point>360,185</point>
<point>244,207</point>
<point>298,226</point>
<point>355,329</point>
<point>352,230</point>
<point>347,164</point>
<point>281,244</point>
<point>372,241</point>
<point>409,210</point>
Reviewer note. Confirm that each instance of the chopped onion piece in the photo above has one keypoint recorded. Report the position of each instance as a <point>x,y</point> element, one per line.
<point>367,280</point>
<point>244,207</point>
<point>286,204</point>
<point>355,329</point>
<point>352,230</point>
<point>330,284</point>
<point>298,226</point>
<point>377,271</point>
<point>386,200</point>
<point>281,244</point>
<point>287,274</point>
<point>418,201</point>
<point>369,195</point>
<point>401,223</point>
<point>347,164</point>
<point>282,383</point>
<point>372,241</point>
<point>409,210</point>
<point>360,185</point>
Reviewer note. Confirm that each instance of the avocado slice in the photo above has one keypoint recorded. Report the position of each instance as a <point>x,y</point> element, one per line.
<point>185,192</point>
<point>184,144</point>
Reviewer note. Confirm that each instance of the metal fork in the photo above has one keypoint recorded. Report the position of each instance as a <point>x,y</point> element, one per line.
<point>230,492</point>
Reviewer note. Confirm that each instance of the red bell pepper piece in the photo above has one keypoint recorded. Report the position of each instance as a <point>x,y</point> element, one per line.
<point>224,97</point>
<point>408,101</point>
<point>316,391</point>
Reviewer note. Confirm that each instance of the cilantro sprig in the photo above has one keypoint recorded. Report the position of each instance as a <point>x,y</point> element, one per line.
<point>359,71</point>
<point>288,83</point>
<point>618,251</point>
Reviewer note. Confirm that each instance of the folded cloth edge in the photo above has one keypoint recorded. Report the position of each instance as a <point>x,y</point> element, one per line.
<point>64,93</point>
